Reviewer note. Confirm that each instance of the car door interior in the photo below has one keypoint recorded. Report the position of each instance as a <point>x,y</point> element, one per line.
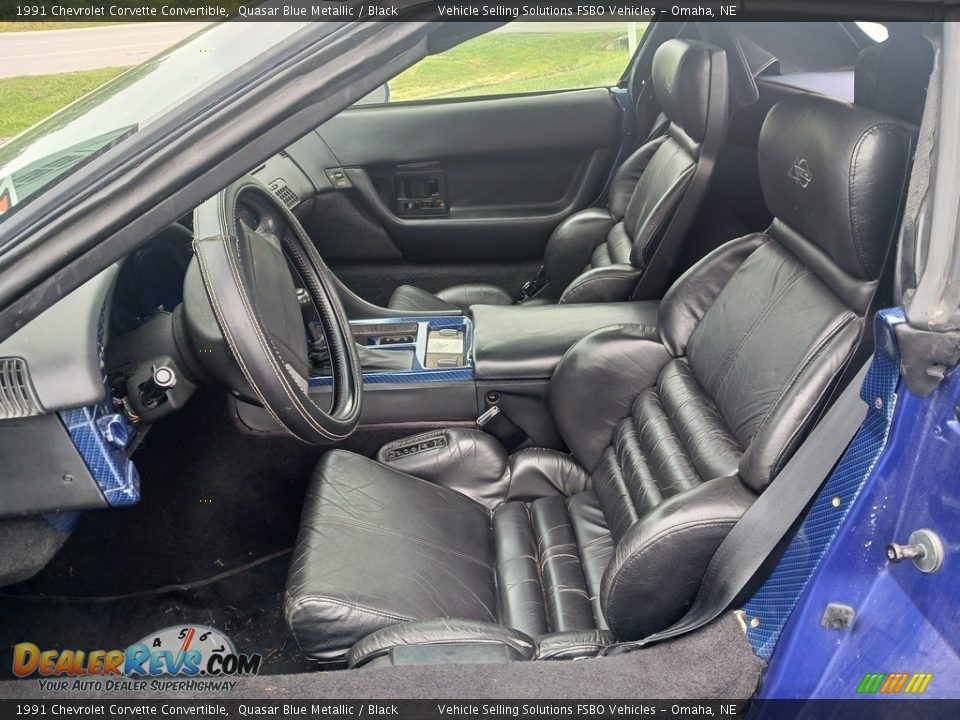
<point>433,193</point>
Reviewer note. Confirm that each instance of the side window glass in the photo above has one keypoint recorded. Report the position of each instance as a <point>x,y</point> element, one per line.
<point>520,57</point>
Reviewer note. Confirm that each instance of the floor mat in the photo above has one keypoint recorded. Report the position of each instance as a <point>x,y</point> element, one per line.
<point>212,499</point>
<point>209,543</point>
<point>245,603</point>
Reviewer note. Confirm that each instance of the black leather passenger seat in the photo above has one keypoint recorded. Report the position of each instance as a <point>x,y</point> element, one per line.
<point>673,433</point>
<point>599,254</point>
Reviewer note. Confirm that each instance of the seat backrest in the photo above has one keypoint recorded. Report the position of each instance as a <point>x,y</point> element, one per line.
<point>691,85</point>
<point>752,339</point>
<point>891,77</point>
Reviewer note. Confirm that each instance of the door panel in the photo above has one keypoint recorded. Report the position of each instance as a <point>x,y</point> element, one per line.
<point>502,172</point>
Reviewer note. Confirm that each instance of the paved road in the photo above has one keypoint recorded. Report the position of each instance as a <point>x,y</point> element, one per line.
<point>56,51</point>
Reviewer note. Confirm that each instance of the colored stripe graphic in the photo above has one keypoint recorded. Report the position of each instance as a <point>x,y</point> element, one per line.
<point>871,682</point>
<point>893,683</point>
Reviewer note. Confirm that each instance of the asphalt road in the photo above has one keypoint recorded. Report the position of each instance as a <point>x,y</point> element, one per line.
<point>55,51</point>
<point>47,52</point>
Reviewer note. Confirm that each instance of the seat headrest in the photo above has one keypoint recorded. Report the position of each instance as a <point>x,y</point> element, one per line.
<point>836,174</point>
<point>681,80</point>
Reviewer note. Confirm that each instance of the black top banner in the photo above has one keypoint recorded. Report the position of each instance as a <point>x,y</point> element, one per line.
<point>464,10</point>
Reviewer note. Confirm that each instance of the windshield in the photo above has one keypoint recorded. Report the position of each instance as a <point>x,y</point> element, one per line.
<point>96,122</point>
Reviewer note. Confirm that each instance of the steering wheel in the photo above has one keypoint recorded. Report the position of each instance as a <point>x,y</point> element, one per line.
<point>248,275</point>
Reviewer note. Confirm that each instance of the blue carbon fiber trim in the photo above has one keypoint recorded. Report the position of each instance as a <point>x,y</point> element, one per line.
<point>405,378</point>
<point>114,472</point>
<point>775,600</point>
<point>419,374</point>
<point>110,466</point>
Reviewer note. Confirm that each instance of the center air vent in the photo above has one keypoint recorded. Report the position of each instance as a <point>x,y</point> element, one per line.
<point>287,196</point>
<point>16,396</point>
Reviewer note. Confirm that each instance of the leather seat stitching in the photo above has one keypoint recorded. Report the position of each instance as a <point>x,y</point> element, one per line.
<point>376,530</point>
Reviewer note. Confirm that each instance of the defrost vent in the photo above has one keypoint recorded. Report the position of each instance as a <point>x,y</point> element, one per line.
<point>287,196</point>
<point>16,395</point>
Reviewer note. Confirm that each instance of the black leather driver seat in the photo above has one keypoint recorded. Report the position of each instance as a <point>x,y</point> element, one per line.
<point>672,433</point>
<point>599,254</point>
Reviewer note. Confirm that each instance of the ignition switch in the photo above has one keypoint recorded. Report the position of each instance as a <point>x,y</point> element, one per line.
<point>154,390</point>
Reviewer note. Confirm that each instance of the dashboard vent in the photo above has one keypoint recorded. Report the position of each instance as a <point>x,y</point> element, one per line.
<point>287,196</point>
<point>16,396</point>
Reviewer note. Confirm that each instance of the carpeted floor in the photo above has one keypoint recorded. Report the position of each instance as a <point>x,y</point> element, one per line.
<point>209,543</point>
<point>715,662</point>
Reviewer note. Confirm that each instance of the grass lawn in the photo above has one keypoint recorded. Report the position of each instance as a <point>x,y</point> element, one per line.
<point>513,63</point>
<point>8,27</point>
<point>28,99</point>
<point>490,64</point>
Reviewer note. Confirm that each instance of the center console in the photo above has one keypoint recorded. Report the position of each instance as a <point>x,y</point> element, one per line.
<point>454,368</point>
<point>412,350</point>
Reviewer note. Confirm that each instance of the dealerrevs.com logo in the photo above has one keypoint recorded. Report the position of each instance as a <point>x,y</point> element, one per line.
<point>202,657</point>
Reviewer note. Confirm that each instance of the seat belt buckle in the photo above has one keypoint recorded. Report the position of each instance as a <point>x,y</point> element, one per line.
<point>532,287</point>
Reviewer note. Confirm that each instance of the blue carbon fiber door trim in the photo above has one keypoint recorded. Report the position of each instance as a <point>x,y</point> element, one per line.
<point>767,612</point>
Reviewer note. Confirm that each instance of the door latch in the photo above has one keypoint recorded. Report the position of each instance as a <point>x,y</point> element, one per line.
<point>924,548</point>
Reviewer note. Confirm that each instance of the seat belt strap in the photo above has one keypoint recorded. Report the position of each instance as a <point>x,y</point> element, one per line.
<point>768,521</point>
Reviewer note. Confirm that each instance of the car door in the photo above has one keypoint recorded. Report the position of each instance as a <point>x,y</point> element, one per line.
<point>478,154</point>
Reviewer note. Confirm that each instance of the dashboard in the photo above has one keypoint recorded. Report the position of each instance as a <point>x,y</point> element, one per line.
<point>67,377</point>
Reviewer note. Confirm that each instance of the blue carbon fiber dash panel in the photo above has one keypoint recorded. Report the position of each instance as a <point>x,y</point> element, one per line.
<point>111,467</point>
<point>419,374</point>
<point>769,609</point>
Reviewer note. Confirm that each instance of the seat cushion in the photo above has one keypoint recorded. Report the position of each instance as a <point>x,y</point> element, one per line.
<point>378,547</point>
<point>414,299</point>
<point>456,297</point>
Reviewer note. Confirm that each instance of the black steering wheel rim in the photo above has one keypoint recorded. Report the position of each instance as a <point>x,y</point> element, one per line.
<point>225,249</point>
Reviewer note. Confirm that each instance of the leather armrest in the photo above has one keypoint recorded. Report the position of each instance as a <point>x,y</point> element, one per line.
<point>573,644</point>
<point>524,342</point>
<point>441,632</point>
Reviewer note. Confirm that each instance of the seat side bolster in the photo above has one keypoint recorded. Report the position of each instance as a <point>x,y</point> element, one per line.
<point>475,464</point>
<point>596,381</point>
<point>463,296</point>
<point>659,563</point>
<point>612,283</point>
<point>573,644</point>
<point>572,243</point>
<point>440,632</point>
<point>469,461</point>
<point>414,299</point>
